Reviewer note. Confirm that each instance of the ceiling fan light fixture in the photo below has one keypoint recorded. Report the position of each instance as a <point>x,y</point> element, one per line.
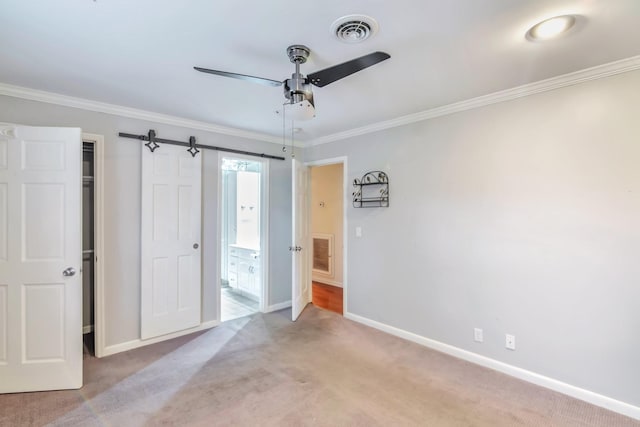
<point>354,28</point>
<point>551,28</point>
<point>299,111</point>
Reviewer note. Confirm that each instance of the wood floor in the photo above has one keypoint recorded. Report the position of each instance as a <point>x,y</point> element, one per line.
<point>327,297</point>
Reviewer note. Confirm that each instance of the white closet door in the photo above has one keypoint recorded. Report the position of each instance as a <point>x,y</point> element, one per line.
<point>170,270</point>
<point>40,258</point>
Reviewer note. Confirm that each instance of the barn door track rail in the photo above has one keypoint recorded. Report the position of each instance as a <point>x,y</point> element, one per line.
<point>154,142</point>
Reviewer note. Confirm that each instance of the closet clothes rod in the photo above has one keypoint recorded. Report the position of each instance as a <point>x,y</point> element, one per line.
<point>151,137</point>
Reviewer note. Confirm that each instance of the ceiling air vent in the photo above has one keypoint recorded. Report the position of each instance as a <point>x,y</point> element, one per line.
<point>354,28</point>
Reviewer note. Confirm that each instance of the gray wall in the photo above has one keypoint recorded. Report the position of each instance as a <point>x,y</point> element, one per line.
<point>521,217</point>
<point>122,207</point>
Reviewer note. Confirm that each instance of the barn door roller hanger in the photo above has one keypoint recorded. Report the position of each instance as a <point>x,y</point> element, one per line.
<point>153,143</point>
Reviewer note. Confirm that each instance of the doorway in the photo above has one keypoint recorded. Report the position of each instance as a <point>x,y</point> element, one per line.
<point>92,310</point>
<point>243,234</point>
<point>88,260</point>
<point>327,233</point>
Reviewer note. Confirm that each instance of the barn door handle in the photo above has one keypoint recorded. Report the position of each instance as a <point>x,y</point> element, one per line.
<point>69,272</point>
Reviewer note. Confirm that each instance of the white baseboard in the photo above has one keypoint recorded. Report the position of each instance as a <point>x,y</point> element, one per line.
<point>327,281</point>
<point>87,329</point>
<point>279,306</point>
<point>130,345</point>
<point>523,374</point>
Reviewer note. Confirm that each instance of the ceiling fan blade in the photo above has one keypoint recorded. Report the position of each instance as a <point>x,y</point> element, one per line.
<point>253,79</point>
<point>329,75</point>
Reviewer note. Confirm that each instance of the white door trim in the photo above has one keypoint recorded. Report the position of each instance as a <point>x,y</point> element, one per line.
<point>346,202</point>
<point>263,306</point>
<point>99,322</point>
<point>218,241</point>
<point>264,236</point>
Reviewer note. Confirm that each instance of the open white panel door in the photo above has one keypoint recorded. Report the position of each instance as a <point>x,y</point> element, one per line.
<point>170,246</point>
<point>300,238</point>
<point>40,258</point>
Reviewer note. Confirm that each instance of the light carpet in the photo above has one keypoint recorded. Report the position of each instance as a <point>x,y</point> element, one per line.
<point>322,370</point>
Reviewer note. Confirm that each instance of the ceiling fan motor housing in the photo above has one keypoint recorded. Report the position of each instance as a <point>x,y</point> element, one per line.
<point>296,89</point>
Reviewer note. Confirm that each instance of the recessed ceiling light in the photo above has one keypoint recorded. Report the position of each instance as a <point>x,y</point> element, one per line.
<point>551,28</point>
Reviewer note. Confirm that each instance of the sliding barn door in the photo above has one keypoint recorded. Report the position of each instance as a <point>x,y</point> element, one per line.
<point>170,270</point>
<point>40,258</point>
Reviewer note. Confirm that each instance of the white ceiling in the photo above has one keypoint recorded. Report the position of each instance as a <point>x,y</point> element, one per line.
<point>140,53</point>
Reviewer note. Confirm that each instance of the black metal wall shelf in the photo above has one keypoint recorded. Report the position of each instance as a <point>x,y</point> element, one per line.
<point>372,191</point>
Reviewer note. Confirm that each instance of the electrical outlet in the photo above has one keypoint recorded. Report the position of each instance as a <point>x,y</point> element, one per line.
<point>477,335</point>
<point>510,342</point>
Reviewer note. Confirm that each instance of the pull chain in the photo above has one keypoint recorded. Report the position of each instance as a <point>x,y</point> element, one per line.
<point>284,133</point>
<point>293,154</point>
<point>284,129</point>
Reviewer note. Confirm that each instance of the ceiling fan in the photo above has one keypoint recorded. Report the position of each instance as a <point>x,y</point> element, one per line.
<point>297,89</point>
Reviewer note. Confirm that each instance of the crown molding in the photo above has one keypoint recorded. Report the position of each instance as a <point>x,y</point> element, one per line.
<point>134,113</point>
<point>577,77</point>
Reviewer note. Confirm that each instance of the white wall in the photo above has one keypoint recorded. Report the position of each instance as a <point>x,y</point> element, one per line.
<point>521,217</point>
<point>326,188</point>
<point>122,207</point>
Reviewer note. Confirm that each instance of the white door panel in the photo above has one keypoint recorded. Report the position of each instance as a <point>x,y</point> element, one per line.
<point>40,237</point>
<point>43,322</point>
<point>300,262</point>
<point>171,278</point>
<point>43,235</point>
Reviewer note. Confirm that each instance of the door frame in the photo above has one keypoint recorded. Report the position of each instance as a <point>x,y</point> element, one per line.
<point>345,233</point>
<point>99,319</point>
<point>264,232</point>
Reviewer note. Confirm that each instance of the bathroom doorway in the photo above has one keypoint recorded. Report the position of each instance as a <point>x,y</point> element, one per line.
<point>243,236</point>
